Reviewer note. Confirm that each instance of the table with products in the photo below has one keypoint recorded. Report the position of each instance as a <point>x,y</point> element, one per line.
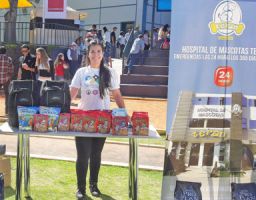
<point>23,152</point>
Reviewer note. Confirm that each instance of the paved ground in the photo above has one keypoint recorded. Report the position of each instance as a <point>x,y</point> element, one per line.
<point>64,149</point>
<point>117,154</point>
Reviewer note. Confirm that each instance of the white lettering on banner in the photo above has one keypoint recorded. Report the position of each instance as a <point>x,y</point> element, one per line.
<point>211,112</point>
<point>200,52</point>
<point>252,113</point>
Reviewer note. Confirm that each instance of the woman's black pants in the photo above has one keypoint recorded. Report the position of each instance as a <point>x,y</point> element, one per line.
<point>88,148</point>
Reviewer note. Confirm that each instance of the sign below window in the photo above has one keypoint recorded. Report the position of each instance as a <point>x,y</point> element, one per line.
<point>209,134</point>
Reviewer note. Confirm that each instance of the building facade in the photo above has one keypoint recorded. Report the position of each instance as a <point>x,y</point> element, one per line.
<point>210,129</point>
<point>120,13</point>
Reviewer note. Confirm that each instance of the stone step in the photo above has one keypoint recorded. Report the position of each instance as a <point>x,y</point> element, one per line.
<point>144,79</point>
<point>159,53</point>
<point>150,70</point>
<point>140,90</point>
<point>160,61</point>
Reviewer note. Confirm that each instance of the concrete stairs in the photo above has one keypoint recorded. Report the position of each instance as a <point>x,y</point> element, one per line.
<point>149,80</point>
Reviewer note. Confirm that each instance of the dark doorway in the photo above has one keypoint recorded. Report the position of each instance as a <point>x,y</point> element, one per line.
<point>194,154</point>
<point>208,154</point>
<point>126,25</point>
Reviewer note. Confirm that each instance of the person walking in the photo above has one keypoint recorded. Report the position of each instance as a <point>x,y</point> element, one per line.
<point>27,69</point>
<point>136,50</point>
<point>6,72</point>
<point>95,81</point>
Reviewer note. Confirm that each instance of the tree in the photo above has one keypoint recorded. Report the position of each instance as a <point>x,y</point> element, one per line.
<point>10,22</point>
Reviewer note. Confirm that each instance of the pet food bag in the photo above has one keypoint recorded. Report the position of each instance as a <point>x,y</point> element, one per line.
<point>104,121</point>
<point>53,116</point>
<point>119,122</point>
<point>40,123</point>
<point>25,117</point>
<point>90,121</point>
<point>140,123</point>
<point>76,122</point>
<point>64,122</point>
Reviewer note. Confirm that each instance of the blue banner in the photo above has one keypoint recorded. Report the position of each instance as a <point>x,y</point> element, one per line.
<point>211,122</point>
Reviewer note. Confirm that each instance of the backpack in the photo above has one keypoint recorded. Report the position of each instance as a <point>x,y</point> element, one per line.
<point>55,94</point>
<point>165,44</point>
<point>187,190</point>
<point>1,186</point>
<point>243,191</point>
<point>22,93</point>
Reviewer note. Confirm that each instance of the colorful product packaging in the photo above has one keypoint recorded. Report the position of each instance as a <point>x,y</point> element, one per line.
<point>53,116</point>
<point>104,121</point>
<point>90,121</point>
<point>76,123</point>
<point>64,122</point>
<point>119,122</point>
<point>25,116</point>
<point>40,123</point>
<point>140,123</point>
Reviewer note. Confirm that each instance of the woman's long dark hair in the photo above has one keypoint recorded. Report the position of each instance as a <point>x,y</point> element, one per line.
<point>104,75</point>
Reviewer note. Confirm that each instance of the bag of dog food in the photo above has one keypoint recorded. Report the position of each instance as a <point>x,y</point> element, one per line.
<point>64,122</point>
<point>104,121</point>
<point>119,122</point>
<point>140,123</point>
<point>76,122</point>
<point>53,116</point>
<point>40,123</point>
<point>90,121</point>
<point>25,117</point>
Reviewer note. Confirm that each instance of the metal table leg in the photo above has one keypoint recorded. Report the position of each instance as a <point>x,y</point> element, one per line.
<point>19,166</point>
<point>133,169</point>
<point>26,165</point>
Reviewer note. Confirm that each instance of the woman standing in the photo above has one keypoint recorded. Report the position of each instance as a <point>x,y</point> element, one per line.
<point>59,67</point>
<point>43,64</point>
<point>95,82</point>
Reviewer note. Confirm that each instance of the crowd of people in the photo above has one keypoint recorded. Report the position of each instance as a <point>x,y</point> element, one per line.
<point>96,81</point>
<point>142,44</point>
<point>41,67</point>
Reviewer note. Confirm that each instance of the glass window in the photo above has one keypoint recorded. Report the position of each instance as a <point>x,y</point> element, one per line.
<point>218,123</point>
<point>196,123</point>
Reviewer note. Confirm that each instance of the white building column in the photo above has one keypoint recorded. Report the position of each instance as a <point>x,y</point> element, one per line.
<point>187,153</point>
<point>201,155</point>
<point>216,154</point>
<point>178,151</point>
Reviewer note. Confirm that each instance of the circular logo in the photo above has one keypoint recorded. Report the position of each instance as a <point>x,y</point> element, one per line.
<point>227,19</point>
<point>95,92</point>
<point>236,110</point>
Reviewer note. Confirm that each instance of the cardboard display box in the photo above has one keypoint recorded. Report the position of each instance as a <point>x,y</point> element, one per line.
<point>5,168</point>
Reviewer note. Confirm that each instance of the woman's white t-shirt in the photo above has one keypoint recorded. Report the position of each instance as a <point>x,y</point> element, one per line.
<point>87,78</point>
